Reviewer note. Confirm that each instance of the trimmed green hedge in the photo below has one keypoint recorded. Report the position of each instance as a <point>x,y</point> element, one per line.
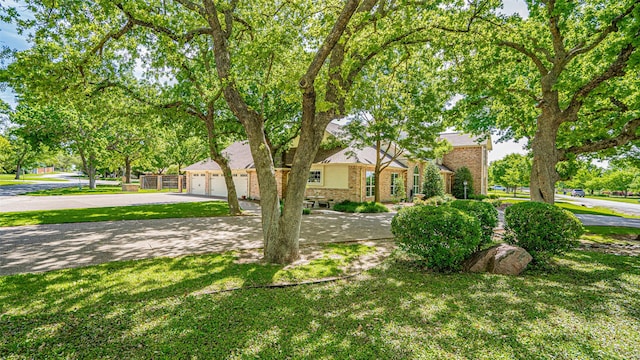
<point>360,207</point>
<point>484,212</point>
<point>443,237</point>
<point>541,229</point>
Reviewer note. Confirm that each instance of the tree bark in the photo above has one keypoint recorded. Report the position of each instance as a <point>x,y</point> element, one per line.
<point>18,171</point>
<point>127,170</point>
<point>543,168</point>
<point>216,155</point>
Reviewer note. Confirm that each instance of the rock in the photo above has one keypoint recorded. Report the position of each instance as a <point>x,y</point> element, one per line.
<point>500,259</point>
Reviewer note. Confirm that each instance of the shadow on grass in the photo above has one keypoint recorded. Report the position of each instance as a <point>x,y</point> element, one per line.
<point>586,307</point>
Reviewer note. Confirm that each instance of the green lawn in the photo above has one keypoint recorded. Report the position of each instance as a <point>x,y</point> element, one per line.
<point>612,235</point>
<point>138,212</point>
<point>577,209</point>
<point>9,179</point>
<point>586,307</point>
<point>100,189</point>
<point>629,200</point>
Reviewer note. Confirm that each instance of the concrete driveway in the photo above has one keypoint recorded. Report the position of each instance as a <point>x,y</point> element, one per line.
<point>27,203</point>
<point>49,247</point>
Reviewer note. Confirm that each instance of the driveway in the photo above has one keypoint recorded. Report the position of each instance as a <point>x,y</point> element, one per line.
<point>49,247</point>
<point>27,203</point>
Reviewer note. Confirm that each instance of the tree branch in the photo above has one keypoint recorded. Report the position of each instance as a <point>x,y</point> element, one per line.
<point>520,48</point>
<point>628,133</point>
<point>616,69</point>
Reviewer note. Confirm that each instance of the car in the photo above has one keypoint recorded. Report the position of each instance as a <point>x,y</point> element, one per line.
<point>499,187</point>
<point>577,192</point>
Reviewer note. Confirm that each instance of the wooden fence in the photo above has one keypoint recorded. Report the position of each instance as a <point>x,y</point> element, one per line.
<point>160,182</point>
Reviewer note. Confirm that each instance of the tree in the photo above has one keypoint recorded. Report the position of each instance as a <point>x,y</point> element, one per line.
<point>620,180</point>
<point>315,59</point>
<point>459,189</point>
<point>585,178</point>
<point>432,185</point>
<point>565,78</point>
<point>511,171</point>
<point>399,111</point>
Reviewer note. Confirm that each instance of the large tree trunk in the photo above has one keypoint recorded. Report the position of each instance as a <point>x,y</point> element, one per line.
<point>127,170</point>
<point>18,171</point>
<point>91,171</point>
<point>543,168</point>
<point>232,194</point>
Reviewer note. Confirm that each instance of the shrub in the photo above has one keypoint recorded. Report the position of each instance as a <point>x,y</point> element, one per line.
<point>463,174</point>
<point>432,183</point>
<point>360,207</point>
<point>478,197</point>
<point>541,229</point>
<point>435,200</point>
<point>401,192</point>
<point>306,211</point>
<point>443,237</point>
<point>484,212</point>
<point>494,202</point>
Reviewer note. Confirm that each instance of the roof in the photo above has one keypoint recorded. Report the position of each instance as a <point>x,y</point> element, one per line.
<point>459,139</point>
<point>366,155</point>
<point>239,156</point>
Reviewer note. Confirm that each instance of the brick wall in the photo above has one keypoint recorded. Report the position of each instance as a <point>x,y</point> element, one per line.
<point>474,158</point>
<point>254,187</point>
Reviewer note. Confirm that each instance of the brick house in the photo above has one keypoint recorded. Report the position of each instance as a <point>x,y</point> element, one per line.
<point>341,173</point>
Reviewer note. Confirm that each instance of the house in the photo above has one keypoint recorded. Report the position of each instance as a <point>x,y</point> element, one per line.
<point>343,173</point>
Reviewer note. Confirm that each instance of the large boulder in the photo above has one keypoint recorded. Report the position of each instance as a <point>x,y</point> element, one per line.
<point>500,259</point>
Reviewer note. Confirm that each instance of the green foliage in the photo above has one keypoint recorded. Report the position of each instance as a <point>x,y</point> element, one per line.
<point>457,190</point>
<point>485,212</point>
<point>443,237</point>
<point>432,183</point>
<point>511,171</point>
<point>306,211</point>
<point>360,207</point>
<point>435,200</point>
<point>400,193</point>
<point>541,229</point>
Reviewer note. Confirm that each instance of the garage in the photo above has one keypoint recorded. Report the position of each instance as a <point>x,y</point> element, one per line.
<point>198,184</point>
<point>218,186</point>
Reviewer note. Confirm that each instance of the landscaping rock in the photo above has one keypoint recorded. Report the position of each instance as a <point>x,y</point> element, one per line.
<point>500,259</point>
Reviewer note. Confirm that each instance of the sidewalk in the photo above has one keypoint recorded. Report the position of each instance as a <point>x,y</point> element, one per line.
<point>48,247</point>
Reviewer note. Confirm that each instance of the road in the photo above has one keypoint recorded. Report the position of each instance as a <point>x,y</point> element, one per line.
<point>626,208</point>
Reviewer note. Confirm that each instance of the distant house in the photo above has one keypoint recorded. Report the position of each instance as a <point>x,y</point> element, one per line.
<point>343,173</point>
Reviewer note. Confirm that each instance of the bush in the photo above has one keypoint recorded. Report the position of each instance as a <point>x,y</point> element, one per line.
<point>484,212</point>
<point>478,197</point>
<point>494,202</point>
<point>443,236</point>
<point>360,207</point>
<point>306,211</point>
<point>432,182</point>
<point>435,200</point>
<point>463,174</point>
<point>541,229</point>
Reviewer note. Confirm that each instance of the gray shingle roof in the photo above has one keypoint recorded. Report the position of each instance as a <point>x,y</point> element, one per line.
<point>239,156</point>
<point>460,139</point>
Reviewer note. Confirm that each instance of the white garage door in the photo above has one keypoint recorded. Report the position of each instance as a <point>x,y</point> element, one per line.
<point>198,184</point>
<point>219,187</point>
<point>242,184</point>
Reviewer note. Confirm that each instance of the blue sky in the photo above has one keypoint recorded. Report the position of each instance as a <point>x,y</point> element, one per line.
<point>10,37</point>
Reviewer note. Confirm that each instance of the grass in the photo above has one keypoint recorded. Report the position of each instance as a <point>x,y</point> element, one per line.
<point>629,200</point>
<point>100,189</point>
<point>137,212</point>
<point>577,209</point>
<point>612,235</point>
<point>9,179</point>
<point>585,307</point>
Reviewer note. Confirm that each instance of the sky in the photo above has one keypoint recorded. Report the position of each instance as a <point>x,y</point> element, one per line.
<point>9,37</point>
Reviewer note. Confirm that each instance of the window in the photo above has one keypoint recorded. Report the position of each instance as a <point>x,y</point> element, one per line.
<point>370,183</point>
<point>394,185</point>
<point>416,180</point>
<point>315,176</point>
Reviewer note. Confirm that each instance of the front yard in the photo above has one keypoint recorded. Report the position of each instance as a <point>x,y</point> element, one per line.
<point>586,306</point>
